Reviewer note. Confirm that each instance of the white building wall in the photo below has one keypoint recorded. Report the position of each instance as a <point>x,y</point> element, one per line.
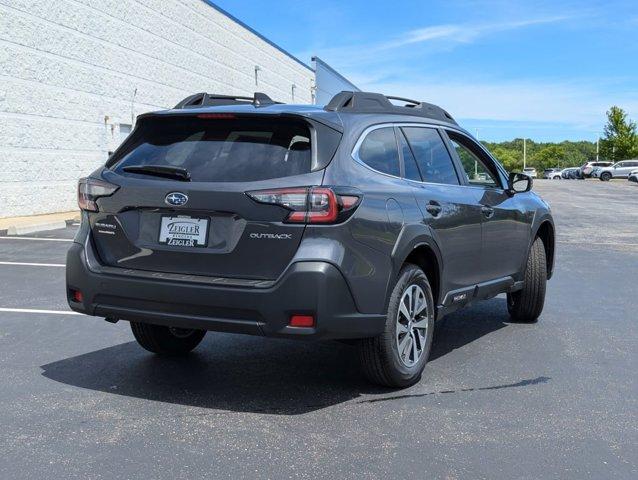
<point>329,82</point>
<point>72,71</point>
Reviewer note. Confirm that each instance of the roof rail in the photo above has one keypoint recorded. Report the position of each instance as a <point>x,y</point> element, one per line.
<point>213,100</point>
<point>368,102</point>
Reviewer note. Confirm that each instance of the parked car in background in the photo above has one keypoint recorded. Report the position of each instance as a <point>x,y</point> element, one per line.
<point>587,169</point>
<point>556,174</point>
<point>570,173</point>
<point>551,172</point>
<point>618,170</point>
<point>633,176</point>
<point>530,171</point>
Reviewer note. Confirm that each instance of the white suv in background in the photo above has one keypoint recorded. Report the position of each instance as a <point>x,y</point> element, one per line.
<point>618,170</point>
<point>587,169</point>
<point>530,172</point>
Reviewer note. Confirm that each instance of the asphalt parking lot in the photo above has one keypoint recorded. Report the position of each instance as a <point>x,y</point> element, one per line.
<point>557,399</point>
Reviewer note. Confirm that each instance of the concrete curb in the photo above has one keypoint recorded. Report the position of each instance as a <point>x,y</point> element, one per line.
<point>36,223</point>
<point>35,227</point>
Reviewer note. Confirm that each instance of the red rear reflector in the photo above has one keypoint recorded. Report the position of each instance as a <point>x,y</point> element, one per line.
<point>77,296</point>
<point>302,321</point>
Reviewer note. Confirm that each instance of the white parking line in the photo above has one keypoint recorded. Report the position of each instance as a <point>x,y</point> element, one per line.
<point>38,238</point>
<point>580,242</point>
<point>27,264</point>
<point>35,310</point>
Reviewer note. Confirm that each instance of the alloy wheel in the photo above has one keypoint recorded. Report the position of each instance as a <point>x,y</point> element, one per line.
<point>412,325</point>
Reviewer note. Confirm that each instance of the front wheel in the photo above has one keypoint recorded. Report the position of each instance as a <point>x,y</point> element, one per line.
<point>527,304</point>
<point>397,357</point>
<point>170,341</point>
<point>605,176</point>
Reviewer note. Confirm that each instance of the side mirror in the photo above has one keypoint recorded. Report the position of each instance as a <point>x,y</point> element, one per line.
<point>519,183</point>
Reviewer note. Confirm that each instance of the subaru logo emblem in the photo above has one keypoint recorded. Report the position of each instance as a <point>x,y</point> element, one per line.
<point>176,199</point>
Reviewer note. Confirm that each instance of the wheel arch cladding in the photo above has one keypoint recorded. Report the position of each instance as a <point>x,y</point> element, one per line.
<point>546,233</point>
<point>424,257</point>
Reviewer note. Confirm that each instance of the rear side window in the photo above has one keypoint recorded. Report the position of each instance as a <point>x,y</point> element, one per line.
<point>431,155</point>
<point>220,150</point>
<point>379,151</point>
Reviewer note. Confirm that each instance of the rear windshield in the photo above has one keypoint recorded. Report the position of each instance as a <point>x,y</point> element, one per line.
<point>219,150</point>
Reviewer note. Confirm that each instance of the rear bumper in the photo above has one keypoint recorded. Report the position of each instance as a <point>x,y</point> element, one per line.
<point>307,288</point>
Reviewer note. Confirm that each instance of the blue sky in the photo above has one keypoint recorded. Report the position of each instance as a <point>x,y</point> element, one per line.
<point>547,70</point>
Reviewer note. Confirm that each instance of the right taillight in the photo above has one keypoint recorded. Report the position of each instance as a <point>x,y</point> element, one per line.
<point>316,205</point>
<point>90,189</point>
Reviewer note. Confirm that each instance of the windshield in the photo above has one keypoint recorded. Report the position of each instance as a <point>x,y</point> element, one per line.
<point>219,150</point>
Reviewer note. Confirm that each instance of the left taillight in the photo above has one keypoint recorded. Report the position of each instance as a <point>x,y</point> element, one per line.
<point>90,189</point>
<point>315,205</point>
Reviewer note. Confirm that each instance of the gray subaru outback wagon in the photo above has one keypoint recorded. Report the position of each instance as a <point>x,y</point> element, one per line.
<point>367,219</point>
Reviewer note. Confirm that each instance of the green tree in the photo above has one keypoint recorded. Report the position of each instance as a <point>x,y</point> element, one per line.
<point>620,141</point>
<point>548,157</point>
<point>509,158</point>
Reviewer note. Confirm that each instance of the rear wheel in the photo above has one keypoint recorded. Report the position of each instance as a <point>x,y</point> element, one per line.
<point>605,176</point>
<point>527,304</point>
<point>166,340</point>
<point>397,357</point>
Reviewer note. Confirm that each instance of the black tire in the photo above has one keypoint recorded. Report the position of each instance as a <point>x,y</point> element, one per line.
<point>379,356</point>
<point>166,340</point>
<point>605,176</point>
<point>526,305</point>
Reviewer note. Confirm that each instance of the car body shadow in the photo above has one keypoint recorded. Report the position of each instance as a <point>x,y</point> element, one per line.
<point>469,324</point>
<point>253,374</point>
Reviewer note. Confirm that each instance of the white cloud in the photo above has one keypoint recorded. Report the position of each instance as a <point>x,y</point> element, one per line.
<point>580,105</point>
<point>400,65</point>
<point>446,35</point>
<point>465,33</point>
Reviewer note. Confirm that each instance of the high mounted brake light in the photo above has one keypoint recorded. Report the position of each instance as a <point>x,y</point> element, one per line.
<point>314,205</point>
<point>217,116</point>
<point>90,189</point>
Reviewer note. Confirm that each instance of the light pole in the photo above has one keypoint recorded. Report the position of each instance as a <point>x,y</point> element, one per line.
<point>475,162</point>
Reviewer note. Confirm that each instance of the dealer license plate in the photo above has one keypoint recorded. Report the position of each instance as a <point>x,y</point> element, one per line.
<point>184,231</point>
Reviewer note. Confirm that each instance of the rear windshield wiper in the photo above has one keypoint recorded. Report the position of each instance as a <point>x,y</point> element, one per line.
<point>176,173</point>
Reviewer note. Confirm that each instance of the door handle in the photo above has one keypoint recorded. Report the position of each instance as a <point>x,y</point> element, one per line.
<point>487,211</point>
<point>433,208</point>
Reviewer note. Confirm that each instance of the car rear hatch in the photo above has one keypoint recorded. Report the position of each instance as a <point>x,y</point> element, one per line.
<point>180,203</point>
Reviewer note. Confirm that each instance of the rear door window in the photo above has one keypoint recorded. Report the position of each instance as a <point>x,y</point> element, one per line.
<point>379,151</point>
<point>432,157</point>
<point>220,150</point>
